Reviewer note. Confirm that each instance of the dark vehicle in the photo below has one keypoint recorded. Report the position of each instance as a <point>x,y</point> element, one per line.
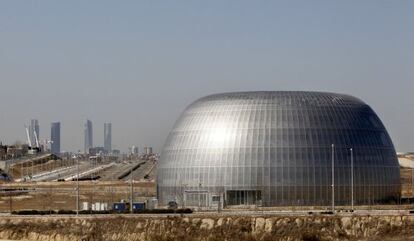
<point>172,205</point>
<point>138,206</point>
<point>119,207</point>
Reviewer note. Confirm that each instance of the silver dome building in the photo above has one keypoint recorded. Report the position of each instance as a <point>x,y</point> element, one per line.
<point>275,149</point>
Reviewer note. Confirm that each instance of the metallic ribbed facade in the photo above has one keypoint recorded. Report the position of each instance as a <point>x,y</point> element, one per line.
<point>274,149</point>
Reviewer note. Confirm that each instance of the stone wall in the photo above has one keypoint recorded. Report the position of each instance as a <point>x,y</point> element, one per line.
<point>212,228</point>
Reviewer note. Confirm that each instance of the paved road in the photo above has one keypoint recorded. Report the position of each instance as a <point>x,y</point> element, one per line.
<point>141,167</point>
<point>60,173</point>
<point>116,171</point>
<point>141,171</point>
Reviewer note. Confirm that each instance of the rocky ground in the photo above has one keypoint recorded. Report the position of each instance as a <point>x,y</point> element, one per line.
<point>211,228</point>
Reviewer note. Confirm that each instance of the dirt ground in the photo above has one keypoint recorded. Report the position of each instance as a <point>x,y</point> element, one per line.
<point>407,182</point>
<point>209,228</point>
<point>62,195</point>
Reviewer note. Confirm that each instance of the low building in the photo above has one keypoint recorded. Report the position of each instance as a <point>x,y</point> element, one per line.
<point>97,151</point>
<point>3,152</point>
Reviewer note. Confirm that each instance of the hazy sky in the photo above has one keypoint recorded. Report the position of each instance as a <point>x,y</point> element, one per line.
<point>138,64</point>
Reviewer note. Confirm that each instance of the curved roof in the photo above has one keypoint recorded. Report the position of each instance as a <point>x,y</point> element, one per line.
<point>287,97</point>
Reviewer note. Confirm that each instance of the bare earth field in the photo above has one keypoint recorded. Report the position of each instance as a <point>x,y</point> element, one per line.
<point>62,195</point>
<point>407,188</point>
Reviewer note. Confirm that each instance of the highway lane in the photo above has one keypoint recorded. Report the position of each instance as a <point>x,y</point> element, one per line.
<point>141,171</point>
<point>120,170</point>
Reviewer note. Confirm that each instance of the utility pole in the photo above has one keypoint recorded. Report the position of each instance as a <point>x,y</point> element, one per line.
<point>199,196</point>
<point>131,186</point>
<point>77,186</point>
<point>333,178</point>
<point>92,166</point>
<point>352,179</point>
<point>184,195</point>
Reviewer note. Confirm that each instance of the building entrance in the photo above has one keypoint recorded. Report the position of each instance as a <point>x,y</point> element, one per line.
<point>243,197</point>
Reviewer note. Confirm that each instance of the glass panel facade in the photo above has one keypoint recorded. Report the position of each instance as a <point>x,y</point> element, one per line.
<point>278,144</point>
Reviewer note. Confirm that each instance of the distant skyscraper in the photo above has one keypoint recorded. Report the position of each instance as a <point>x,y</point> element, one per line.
<point>148,150</point>
<point>55,137</point>
<point>34,127</point>
<point>134,150</point>
<point>88,136</point>
<point>108,137</point>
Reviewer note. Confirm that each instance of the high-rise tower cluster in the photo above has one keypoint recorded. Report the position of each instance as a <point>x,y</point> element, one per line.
<point>55,137</point>
<point>88,133</point>
<point>33,132</point>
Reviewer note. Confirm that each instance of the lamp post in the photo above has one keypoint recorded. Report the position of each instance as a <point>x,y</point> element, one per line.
<point>131,186</point>
<point>184,199</point>
<point>333,177</point>
<point>352,179</point>
<point>199,196</point>
<point>92,166</point>
<point>77,186</point>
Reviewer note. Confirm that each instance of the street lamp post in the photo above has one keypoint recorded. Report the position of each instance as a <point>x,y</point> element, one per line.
<point>199,196</point>
<point>131,186</point>
<point>77,186</point>
<point>352,179</point>
<point>333,177</point>
<point>92,167</point>
<point>184,199</point>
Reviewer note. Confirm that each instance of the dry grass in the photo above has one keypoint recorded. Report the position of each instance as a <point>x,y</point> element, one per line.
<point>176,228</point>
<point>62,195</point>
